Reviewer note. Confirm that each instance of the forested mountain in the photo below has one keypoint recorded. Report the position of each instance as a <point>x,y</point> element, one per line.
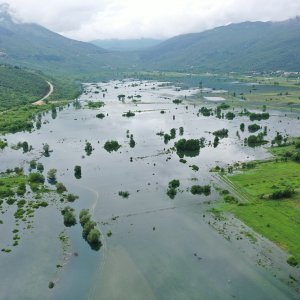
<point>240,47</point>
<point>36,47</point>
<point>236,47</point>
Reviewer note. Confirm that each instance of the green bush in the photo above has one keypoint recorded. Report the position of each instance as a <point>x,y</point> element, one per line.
<point>129,114</point>
<point>36,178</point>
<point>71,197</point>
<point>222,133</point>
<point>77,172</point>
<point>84,216</point>
<point>199,190</point>
<point>69,216</point>
<point>100,116</point>
<point>110,146</point>
<point>175,183</point>
<point>124,194</point>
<point>94,236</point>
<point>60,188</point>
<point>292,261</point>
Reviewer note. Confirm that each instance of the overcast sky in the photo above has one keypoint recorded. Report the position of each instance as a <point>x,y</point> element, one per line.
<point>104,19</point>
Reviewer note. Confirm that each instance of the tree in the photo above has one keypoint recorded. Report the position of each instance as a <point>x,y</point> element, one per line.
<point>60,188</point>
<point>46,150</point>
<point>40,167</point>
<point>93,236</point>
<point>88,226</point>
<point>88,148</point>
<point>69,216</point>
<point>84,216</point>
<point>25,147</point>
<point>121,97</point>
<point>77,172</point>
<point>51,175</point>
<point>242,127</point>
<point>36,178</point>
<point>110,146</point>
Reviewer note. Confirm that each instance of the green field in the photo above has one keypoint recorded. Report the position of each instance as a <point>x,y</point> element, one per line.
<point>278,220</point>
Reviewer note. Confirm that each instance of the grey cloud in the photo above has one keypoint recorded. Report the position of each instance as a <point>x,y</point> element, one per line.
<point>92,19</point>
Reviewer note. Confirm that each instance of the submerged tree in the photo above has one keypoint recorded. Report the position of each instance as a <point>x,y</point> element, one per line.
<point>77,172</point>
<point>51,175</point>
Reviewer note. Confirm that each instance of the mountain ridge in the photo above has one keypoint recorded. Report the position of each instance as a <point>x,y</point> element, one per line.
<point>240,47</point>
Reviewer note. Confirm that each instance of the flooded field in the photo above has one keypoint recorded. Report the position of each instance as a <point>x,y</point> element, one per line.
<point>159,248</point>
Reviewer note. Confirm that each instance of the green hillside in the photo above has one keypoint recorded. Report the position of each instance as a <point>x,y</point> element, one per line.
<point>238,47</point>
<point>19,86</point>
<point>36,47</point>
<point>244,47</point>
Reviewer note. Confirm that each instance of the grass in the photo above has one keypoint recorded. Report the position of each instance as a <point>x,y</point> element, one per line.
<point>21,118</point>
<point>278,220</point>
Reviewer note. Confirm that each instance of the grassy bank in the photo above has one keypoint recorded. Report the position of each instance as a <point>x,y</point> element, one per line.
<point>278,220</point>
<point>21,118</point>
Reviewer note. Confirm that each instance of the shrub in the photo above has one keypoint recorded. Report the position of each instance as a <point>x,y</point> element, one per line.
<point>46,150</point>
<point>188,145</point>
<point>171,192</point>
<point>199,190</point>
<point>206,112</point>
<point>97,104</point>
<point>281,194</point>
<point>124,194</point>
<point>69,216</point>
<point>222,133</point>
<point>88,226</point>
<point>129,114</point>
<point>3,144</point>
<point>60,188</point>
<point>256,140</point>
<point>230,199</point>
<point>94,236</point>
<point>253,128</point>
<point>110,146</point>
<point>51,175</point>
<point>292,261</point>
<point>84,216</point>
<point>71,197</point>
<point>132,142</point>
<point>36,178</point>
<point>194,168</point>
<point>40,167</point>
<point>177,101</point>
<point>77,172</point>
<point>223,106</point>
<point>259,117</point>
<point>175,183</point>
<point>100,116</point>
<point>230,115</point>
<point>88,148</point>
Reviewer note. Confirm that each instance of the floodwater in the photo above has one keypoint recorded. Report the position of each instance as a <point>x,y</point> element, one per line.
<point>160,248</point>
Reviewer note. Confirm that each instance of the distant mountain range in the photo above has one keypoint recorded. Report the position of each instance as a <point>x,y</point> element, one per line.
<point>236,47</point>
<point>126,45</point>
